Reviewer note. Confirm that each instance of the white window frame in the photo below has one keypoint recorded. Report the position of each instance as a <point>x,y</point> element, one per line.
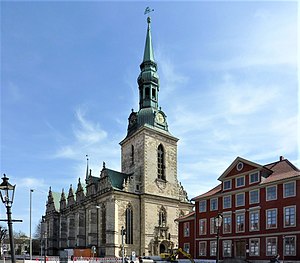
<point>236,181</point>
<point>225,216</point>
<point>205,224</point>
<point>205,206</point>
<point>254,239</point>
<point>258,177</point>
<point>205,247</point>
<point>271,254</point>
<point>284,194</point>
<point>230,201</point>
<point>258,194</point>
<point>185,245</point>
<point>213,228</point>
<point>230,187</point>
<point>211,200</point>
<point>272,209</point>
<point>186,226</point>
<point>230,247</point>
<point>284,246</point>
<point>213,244</point>
<point>276,194</point>
<point>236,204</point>
<point>236,225</point>
<point>284,222</point>
<point>258,221</point>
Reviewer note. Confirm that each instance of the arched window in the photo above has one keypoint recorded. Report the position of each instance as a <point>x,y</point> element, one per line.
<point>103,224</point>
<point>162,217</point>
<point>129,225</point>
<point>160,163</point>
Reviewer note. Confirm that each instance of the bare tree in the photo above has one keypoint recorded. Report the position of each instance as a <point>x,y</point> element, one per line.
<point>3,234</point>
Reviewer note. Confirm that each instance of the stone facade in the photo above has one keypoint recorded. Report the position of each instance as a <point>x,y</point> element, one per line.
<point>145,197</point>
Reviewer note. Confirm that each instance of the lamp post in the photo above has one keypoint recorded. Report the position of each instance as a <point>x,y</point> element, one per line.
<point>7,192</point>
<point>44,236</point>
<point>123,233</point>
<point>30,209</point>
<point>218,222</point>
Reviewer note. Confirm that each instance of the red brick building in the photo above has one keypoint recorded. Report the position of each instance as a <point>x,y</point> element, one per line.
<point>260,208</point>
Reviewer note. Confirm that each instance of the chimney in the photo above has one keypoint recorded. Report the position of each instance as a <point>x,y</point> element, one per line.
<point>281,158</point>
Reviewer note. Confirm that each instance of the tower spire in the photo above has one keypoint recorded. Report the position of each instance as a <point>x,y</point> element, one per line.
<point>148,52</point>
<point>148,79</point>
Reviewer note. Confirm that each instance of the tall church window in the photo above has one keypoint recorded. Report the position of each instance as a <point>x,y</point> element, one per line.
<point>160,163</point>
<point>129,225</point>
<point>162,219</point>
<point>103,224</point>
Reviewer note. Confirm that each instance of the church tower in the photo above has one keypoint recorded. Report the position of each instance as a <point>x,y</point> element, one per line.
<point>149,154</point>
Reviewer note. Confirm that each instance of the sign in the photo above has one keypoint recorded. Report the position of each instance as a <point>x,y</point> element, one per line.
<point>93,248</point>
<point>133,256</point>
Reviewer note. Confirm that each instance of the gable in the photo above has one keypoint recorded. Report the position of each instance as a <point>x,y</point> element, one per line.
<point>240,166</point>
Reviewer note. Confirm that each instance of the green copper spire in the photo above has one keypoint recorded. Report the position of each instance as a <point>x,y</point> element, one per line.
<point>148,53</point>
<point>148,79</point>
<point>149,114</point>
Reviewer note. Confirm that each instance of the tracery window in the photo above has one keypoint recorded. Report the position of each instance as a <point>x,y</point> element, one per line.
<point>160,163</point>
<point>129,225</point>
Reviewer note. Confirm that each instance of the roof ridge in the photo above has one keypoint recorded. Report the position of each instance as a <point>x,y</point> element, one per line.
<point>284,160</point>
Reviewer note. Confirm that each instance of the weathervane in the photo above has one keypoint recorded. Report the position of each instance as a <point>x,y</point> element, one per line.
<point>148,10</point>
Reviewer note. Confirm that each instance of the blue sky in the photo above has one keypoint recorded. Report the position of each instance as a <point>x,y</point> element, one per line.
<point>228,84</point>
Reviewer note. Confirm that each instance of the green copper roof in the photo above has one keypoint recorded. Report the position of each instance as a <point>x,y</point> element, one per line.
<point>148,53</point>
<point>116,178</point>
<point>56,199</point>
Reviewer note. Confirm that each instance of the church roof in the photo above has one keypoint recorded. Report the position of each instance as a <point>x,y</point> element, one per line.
<point>56,199</point>
<point>116,178</point>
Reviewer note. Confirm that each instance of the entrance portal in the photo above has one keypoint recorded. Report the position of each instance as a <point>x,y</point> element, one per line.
<point>240,249</point>
<point>162,248</point>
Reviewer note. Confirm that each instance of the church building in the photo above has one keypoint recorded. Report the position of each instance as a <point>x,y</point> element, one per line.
<point>144,198</point>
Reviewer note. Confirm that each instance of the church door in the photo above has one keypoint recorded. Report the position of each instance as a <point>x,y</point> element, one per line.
<point>162,248</point>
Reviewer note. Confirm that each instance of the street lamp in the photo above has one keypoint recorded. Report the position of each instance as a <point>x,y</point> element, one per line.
<point>7,192</point>
<point>218,222</point>
<point>30,209</point>
<point>123,233</point>
<point>44,236</point>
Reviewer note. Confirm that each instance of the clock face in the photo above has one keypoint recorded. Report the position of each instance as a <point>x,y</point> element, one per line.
<point>160,118</point>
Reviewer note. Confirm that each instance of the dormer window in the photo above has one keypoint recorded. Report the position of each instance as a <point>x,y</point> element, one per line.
<point>227,185</point>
